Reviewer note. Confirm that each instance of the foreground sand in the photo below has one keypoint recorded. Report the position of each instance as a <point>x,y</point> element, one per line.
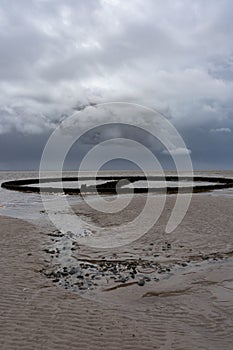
<point>34,314</point>
<point>192,309</point>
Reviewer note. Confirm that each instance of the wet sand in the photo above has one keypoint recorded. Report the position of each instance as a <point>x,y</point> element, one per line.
<point>190,305</point>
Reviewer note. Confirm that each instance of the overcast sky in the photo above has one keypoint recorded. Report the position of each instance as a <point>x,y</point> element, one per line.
<point>172,55</point>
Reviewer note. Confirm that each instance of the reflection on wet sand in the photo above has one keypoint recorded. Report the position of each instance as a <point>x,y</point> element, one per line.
<point>161,291</point>
<point>180,285</point>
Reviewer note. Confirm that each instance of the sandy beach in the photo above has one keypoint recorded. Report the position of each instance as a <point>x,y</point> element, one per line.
<point>116,175</point>
<point>186,301</point>
<point>35,314</point>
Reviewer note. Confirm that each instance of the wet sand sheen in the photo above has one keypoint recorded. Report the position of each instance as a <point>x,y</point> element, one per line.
<point>190,308</point>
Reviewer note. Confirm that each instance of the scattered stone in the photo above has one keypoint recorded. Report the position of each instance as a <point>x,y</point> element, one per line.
<point>141,282</point>
<point>72,271</point>
<point>147,278</point>
<point>205,257</point>
<point>56,234</point>
<point>80,276</point>
<point>132,275</point>
<point>49,251</point>
<point>56,280</point>
<point>64,273</point>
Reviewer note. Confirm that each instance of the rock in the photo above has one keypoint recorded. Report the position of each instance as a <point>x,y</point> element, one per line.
<point>80,277</point>
<point>132,275</point>
<point>141,282</point>
<point>83,288</point>
<point>162,270</point>
<point>56,280</point>
<point>205,257</point>
<point>49,251</point>
<point>64,273</point>
<point>72,271</point>
<point>147,278</point>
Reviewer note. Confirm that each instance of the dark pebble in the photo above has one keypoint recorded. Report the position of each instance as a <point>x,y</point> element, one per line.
<point>205,257</point>
<point>141,282</point>
<point>80,276</point>
<point>56,280</point>
<point>64,273</point>
<point>132,275</point>
<point>147,278</point>
<point>83,288</point>
<point>49,251</point>
<point>72,271</point>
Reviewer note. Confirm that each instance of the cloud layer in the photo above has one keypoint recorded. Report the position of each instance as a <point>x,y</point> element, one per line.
<point>172,55</point>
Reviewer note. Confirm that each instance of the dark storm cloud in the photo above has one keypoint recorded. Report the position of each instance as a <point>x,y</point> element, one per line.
<point>172,55</point>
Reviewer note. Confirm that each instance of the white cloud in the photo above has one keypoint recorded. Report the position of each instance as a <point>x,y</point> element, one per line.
<point>172,55</point>
<point>224,130</point>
